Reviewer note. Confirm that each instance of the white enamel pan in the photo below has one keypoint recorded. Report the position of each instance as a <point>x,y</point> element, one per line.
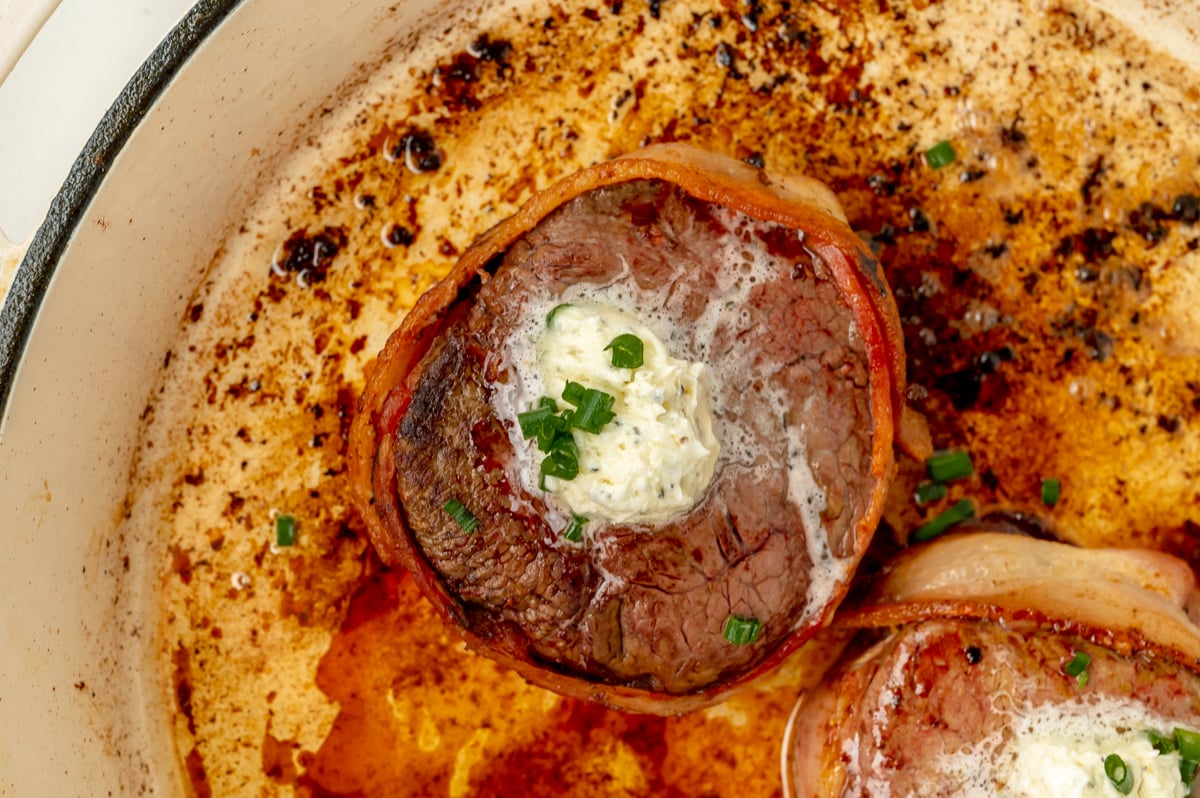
<point>97,301</point>
<point>92,309</point>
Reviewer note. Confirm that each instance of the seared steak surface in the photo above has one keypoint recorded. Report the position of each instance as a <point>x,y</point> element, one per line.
<point>909,714</point>
<point>645,605</point>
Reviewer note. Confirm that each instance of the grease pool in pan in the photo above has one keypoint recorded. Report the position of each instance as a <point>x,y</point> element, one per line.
<point>1045,278</point>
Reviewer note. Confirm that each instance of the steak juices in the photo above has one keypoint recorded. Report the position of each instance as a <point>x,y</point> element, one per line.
<point>635,444</point>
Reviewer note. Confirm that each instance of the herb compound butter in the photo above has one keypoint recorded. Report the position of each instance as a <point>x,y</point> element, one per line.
<point>655,459</point>
<point>1073,765</point>
<point>1061,753</point>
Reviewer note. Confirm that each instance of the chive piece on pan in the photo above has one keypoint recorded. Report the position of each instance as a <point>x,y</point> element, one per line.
<point>949,465</point>
<point>928,492</point>
<point>1051,491</point>
<point>285,530</point>
<point>940,155</point>
<point>960,511</point>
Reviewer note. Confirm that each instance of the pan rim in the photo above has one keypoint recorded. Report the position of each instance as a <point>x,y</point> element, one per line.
<point>33,276</point>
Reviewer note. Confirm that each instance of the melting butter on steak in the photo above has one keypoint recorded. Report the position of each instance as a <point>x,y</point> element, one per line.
<point>656,456</point>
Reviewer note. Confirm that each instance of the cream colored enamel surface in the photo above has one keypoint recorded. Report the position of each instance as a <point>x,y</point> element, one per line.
<point>1169,26</point>
<point>19,23</point>
<point>10,259</point>
<point>76,714</point>
<point>79,705</point>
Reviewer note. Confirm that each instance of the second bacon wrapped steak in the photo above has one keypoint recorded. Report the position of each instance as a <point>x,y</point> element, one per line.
<point>635,444</point>
<point>997,665</point>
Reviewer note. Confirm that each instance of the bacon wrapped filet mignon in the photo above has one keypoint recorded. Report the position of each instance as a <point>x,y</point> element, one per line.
<point>635,444</point>
<point>994,664</point>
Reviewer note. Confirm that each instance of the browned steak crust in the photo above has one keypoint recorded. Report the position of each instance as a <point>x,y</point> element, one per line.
<point>757,278</point>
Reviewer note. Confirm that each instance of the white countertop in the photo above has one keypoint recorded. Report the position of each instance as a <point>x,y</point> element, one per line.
<point>60,87</point>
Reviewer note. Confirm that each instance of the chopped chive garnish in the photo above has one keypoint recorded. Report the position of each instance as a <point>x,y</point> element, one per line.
<point>741,631</point>
<point>1162,743</point>
<point>1187,771</point>
<point>461,515</point>
<point>594,413</point>
<point>940,154</point>
<point>574,530</point>
<point>285,530</point>
<point>1051,489</point>
<point>564,443</point>
<point>928,492</point>
<point>561,463</point>
<point>532,421</point>
<point>1188,744</point>
<point>555,434</point>
<point>1078,667</point>
<point>554,312</point>
<point>573,393</point>
<point>960,511</point>
<point>594,407</point>
<point>552,429</point>
<point>628,351</point>
<point>949,465</point>
<point>1118,773</point>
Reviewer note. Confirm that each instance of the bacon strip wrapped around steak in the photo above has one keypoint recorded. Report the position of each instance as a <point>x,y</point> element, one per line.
<point>994,664</point>
<point>662,587</point>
